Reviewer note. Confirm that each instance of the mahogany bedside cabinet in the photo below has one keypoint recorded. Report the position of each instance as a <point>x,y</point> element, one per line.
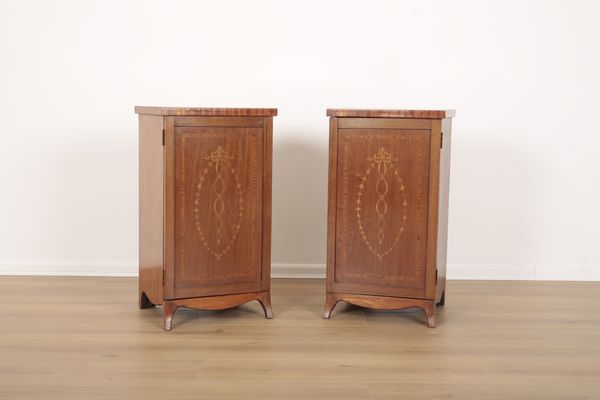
<point>388,209</point>
<point>205,208</point>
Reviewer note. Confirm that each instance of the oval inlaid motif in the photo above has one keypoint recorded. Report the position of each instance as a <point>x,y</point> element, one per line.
<point>216,179</point>
<point>380,174</point>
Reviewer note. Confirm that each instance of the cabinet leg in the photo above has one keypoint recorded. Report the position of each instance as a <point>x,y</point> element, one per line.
<point>144,301</point>
<point>429,309</point>
<point>265,301</point>
<point>169,309</point>
<point>330,301</point>
<point>442,299</point>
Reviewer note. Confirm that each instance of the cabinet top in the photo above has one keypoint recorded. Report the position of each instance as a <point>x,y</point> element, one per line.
<point>419,114</point>
<point>207,112</point>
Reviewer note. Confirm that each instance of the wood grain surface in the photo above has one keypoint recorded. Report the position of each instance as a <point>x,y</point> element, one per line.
<point>207,112</point>
<point>443,204</point>
<point>85,338</point>
<point>382,256</point>
<point>218,210</point>
<point>151,187</point>
<point>216,303</point>
<point>426,114</point>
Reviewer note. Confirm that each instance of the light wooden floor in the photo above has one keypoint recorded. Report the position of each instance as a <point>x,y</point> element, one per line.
<point>85,338</point>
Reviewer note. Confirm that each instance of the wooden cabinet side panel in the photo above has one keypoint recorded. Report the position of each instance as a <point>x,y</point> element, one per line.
<point>332,203</point>
<point>151,179</point>
<point>442,239</point>
<point>169,209</point>
<point>266,202</point>
<point>432,215</point>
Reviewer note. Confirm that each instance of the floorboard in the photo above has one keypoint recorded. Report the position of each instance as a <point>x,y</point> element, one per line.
<point>85,338</point>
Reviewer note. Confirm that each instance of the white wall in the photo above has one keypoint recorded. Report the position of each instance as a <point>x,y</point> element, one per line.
<point>522,75</point>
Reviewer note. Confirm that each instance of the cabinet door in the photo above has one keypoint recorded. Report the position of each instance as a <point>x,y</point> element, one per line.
<point>381,215</point>
<point>217,211</point>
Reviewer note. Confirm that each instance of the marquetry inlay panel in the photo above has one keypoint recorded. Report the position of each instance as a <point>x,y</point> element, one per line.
<point>217,202</point>
<point>226,180</point>
<point>382,206</point>
<point>381,163</point>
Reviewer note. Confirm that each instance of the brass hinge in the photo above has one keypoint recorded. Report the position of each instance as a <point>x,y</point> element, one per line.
<point>163,137</point>
<point>441,140</point>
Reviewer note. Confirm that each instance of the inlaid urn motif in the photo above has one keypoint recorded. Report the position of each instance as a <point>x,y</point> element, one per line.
<point>217,179</point>
<point>379,176</point>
